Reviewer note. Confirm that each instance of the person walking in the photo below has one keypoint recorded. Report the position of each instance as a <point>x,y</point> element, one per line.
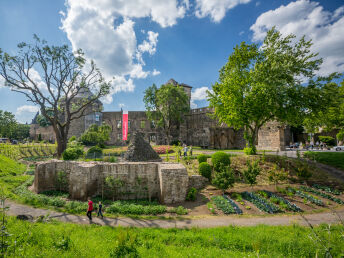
<point>185,150</point>
<point>90,209</point>
<point>100,210</point>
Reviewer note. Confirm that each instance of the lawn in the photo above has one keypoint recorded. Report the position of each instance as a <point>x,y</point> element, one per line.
<point>335,159</point>
<point>58,239</point>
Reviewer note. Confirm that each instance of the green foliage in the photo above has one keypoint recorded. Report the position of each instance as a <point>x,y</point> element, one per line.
<point>261,84</point>
<point>95,150</point>
<point>250,151</point>
<point>340,135</point>
<point>328,140</point>
<point>10,128</point>
<point>129,208</point>
<point>62,180</point>
<point>166,106</point>
<point>222,204</point>
<point>72,153</point>
<point>219,159</point>
<point>192,194</point>
<point>180,210</point>
<point>223,178</point>
<point>72,139</point>
<point>276,175</point>
<point>96,135</point>
<point>126,245</point>
<point>252,171</point>
<point>205,170</point>
<point>202,158</point>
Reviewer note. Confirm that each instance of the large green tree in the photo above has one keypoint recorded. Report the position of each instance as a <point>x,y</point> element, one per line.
<point>266,83</point>
<point>55,79</point>
<point>10,128</point>
<point>166,106</point>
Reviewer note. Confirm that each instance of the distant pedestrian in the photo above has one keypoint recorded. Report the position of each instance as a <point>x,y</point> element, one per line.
<point>100,210</point>
<point>190,150</point>
<point>90,209</point>
<point>185,151</point>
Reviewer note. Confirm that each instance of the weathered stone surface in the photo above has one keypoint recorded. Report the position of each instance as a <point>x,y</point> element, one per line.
<point>166,181</point>
<point>140,150</point>
<point>198,182</point>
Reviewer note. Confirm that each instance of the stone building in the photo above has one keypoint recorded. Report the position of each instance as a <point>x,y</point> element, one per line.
<point>198,128</point>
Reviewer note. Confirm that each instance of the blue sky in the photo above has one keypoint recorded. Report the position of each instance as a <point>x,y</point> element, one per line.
<point>140,42</point>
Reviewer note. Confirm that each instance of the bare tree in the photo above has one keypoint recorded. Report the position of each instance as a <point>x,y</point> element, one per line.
<point>55,79</point>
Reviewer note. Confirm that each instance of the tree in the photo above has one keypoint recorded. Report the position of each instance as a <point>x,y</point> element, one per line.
<point>251,173</point>
<point>96,135</point>
<point>258,85</point>
<point>55,79</point>
<point>166,106</point>
<point>8,124</point>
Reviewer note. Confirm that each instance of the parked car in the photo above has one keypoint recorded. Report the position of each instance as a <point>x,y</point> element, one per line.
<point>338,148</point>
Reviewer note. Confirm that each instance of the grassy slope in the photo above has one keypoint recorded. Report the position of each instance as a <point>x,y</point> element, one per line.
<point>11,175</point>
<point>70,240</point>
<point>335,159</point>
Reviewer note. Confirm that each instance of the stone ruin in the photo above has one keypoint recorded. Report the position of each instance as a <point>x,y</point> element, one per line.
<point>140,150</point>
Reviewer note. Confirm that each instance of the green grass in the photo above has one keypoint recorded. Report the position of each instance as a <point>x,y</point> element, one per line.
<point>11,175</point>
<point>335,159</point>
<point>58,239</point>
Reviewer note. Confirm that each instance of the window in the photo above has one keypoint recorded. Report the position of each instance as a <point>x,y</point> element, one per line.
<point>97,118</point>
<point>119,136</point>
<point>143,124</point>
<point>152,124</point>
<point>119,123</point>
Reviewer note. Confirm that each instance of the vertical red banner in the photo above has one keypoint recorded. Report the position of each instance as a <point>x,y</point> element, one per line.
<point>125,125</point>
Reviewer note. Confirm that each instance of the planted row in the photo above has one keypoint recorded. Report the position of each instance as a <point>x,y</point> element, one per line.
<point>290,206</point>
<point>222,204</point>
<point>324,195</point>
<point>260,203</point>
<point>233,204</point>
<point>326,189</point>
<point>306,196</point>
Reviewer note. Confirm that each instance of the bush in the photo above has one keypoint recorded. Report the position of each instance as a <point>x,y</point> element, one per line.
<point>163,149</point>
<point>252,171</point>
<point>180,210</point>
<point>72,153</point>
<point>202,158</point>
<point>328,140</point>
<point>223,178</point>
<point>249,151</point>
<point>175,143</point>
<point>96,135</point>
<point>205,170</point>
<point>192,194</point>
<point>95,150</point>
<point>219,159</point>
<point>72,139</point>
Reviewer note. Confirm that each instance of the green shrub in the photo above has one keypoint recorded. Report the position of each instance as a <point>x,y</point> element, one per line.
<point>72,153</point>
<point>202,158</point>
<point>328,140</point>
<point>252,171</point>
<point>249,151</point>
<point>95,150</point>
<point>96,135</point>
<point>180,210</point>
<point>219,159</point>
<point>205,170</point>
<point>192,194</point>
<point>223,178</point>
<point>72,139</point>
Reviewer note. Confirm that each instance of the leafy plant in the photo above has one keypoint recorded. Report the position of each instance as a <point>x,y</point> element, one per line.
<point>260,203</point>
<point>222,204</point>
<point>288,205</point>
<point>72,153</point>
<point>306,196</point>
<point>205,170</point>
<point>219,159</point>
<point>223,178</point>
<point>327,196</point>
<point>233,204</point>
<point>250,151</point>
<point>330,141</point>
<point>252,171</point>
<point>126,245</point>
<point>327,189</point>
<point>202,158</point>
<point>192,194</point>
<point>180,210</point>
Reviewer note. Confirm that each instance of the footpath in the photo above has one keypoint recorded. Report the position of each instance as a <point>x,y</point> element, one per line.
<point>208,222</point>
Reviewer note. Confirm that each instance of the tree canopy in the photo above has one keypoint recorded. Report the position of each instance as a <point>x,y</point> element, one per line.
<point>10,128</point>
<point>166,106</point>
<point>55,79</point>
<point>267,83</point>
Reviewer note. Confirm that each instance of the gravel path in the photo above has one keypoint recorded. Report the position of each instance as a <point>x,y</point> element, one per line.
<point>216,221</point>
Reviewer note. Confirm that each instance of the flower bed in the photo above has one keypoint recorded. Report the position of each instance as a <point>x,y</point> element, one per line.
<point>326,189</point>
<point>222,204</point>
<point>306,196</point>
<point>261,203</point>
<point>290,206</point>
<point>327,196</point>
<point>161,149</point>
<point>233,204</point>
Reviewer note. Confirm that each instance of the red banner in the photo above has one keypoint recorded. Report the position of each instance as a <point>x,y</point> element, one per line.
<point>125,125</point>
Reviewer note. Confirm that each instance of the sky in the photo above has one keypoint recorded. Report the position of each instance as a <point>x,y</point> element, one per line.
<point>136,43</point>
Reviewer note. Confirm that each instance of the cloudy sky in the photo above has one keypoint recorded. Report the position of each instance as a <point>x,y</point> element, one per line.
<point>136,43</point>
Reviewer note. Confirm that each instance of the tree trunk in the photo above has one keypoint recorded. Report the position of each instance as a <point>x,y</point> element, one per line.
<point>61,138</point>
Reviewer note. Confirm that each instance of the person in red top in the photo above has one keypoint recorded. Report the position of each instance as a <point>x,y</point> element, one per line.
<point>90,209</point>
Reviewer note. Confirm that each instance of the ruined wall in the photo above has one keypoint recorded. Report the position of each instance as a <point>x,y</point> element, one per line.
<point>273,136</point>
<point>166,181</point>
<point>47,133</point>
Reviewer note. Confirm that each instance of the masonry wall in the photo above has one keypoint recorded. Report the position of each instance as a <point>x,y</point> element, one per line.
<point>166,181</point>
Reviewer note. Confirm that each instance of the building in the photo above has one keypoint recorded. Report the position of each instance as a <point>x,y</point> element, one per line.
<point>198,128</point>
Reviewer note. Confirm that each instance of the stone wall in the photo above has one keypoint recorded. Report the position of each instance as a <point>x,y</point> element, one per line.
<point>166,181</point>
<point>198,182</point>
<point>47,133</point>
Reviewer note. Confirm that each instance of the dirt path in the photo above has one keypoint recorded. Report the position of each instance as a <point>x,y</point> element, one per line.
<point>216,221</point>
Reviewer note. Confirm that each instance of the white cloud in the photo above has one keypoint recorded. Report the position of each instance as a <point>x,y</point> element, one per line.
<point>216,9</point>
<point>198,94</point>
<point>27,109</point>
<point>90,25</point>
<point>2,82</point>
<point>155,72</point>
<point>241,33</point>
<point>308,18</point>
